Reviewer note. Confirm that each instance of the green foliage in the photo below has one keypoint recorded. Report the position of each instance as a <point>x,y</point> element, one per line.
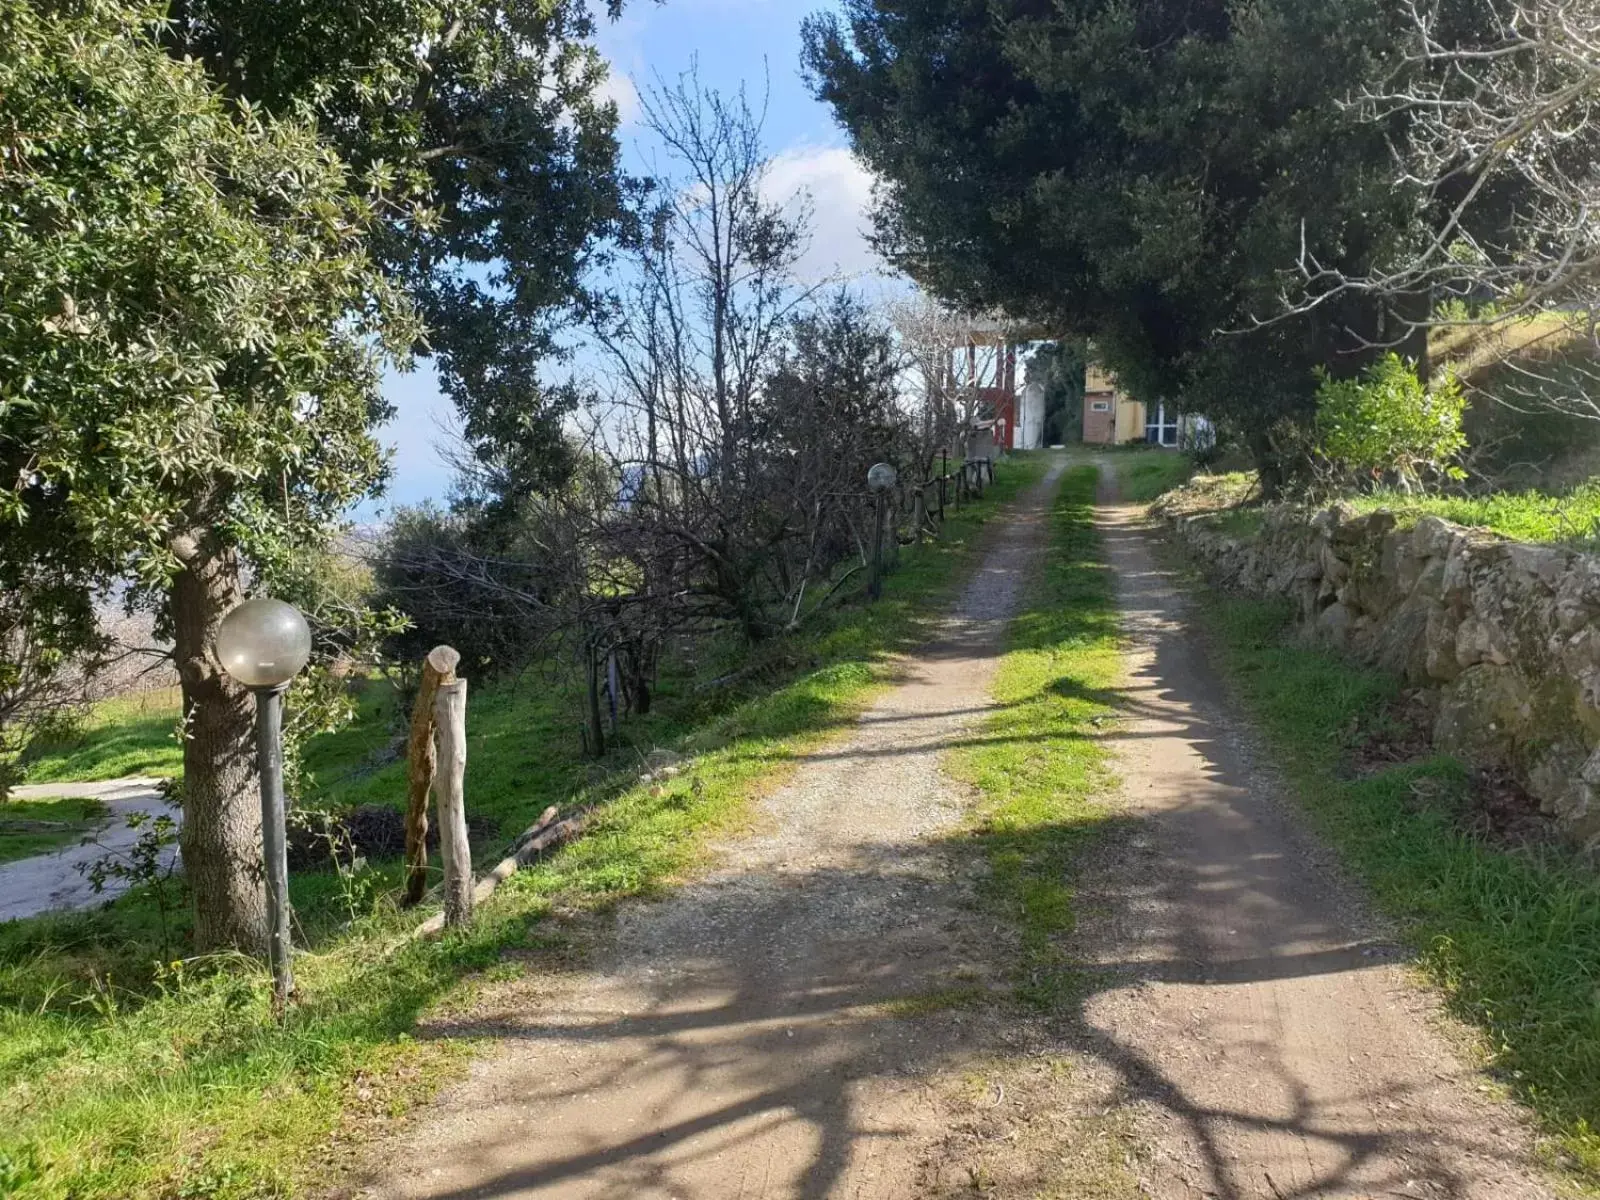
<point>1511,937</point>
<point>173,351</point>
<point>1389,424</point>
<point>488,121</point>
<point>1059,366</point>
<point>122,1078</point>
<point>1573,517</point>
<point>1145,175</point>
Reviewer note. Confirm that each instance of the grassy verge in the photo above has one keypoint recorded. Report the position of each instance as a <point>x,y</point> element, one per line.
<point>1142,475</point>
<point>1511,937</point>
<point>1039,764</point>
<point>1042,772</point>
<point>125,1076</point>
<point>29,827</point>
<point>130,735</point>
<point>1521,516</point>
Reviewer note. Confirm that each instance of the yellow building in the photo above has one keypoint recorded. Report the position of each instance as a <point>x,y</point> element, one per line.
<point>1111,417</point>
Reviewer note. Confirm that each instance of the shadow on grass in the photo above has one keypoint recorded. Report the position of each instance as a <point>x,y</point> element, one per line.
<point>193,1076</point>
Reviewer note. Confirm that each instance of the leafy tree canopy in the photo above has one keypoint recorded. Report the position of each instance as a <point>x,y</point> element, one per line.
<point>187,312</point>
<point>191,326</point>
<point>1139,173</point>
<point>488,116</point>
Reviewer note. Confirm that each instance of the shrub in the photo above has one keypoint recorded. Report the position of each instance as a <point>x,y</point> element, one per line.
<point>1389,427</point>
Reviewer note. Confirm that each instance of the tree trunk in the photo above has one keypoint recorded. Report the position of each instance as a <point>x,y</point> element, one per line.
<point>221,832</point>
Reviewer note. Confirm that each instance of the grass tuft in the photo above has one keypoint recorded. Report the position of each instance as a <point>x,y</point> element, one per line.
<point>1143,475</point>
<point>1039,764</point>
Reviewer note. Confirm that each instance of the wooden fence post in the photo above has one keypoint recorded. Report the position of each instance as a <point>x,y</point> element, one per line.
<point>450,730</point>
<point>438,667</point>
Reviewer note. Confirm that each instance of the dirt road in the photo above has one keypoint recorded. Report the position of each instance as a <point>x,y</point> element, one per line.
<point>742,1040</point>
<point>1261,1025</point>
<point>1246,1031</point>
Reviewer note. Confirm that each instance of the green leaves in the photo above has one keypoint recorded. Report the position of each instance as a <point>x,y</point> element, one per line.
<point>489,159</point>
<point>191,322</point>
<point>1146,174</point>
<point>1389,423</point>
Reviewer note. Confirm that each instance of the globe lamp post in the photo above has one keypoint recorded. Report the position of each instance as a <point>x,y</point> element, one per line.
<point>263,644</point>
<point>880,480</point>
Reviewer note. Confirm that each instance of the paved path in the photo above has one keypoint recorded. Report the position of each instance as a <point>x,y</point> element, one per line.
<point>1272,1044</point>
<point>737,1043</point>
<point>48,882</point>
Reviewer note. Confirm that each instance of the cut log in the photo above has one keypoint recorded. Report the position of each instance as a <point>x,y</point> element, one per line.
<point>438,667</point>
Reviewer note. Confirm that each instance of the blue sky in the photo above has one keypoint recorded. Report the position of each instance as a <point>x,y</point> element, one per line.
<point>755,42</point>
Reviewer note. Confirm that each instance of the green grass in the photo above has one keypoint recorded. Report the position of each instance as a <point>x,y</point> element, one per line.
<point>1143,475</point>
<point>29,827</point>
<point>126,1072</point>
<point>1512,938</point>
<point>1039,764</point>
<point>130,735</point>
<point>1042,774</point>
<point>1521,516</point>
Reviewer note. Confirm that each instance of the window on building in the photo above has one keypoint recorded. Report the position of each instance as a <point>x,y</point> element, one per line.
<point>1099,406</point>
<point>1161,425</point>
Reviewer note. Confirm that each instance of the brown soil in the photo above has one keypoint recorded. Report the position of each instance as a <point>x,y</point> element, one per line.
<point>799,1023</point>
<point>1271,1041</point>
<point>816,1017</point>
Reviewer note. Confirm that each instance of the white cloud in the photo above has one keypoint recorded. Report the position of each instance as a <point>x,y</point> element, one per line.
<point>619,89</point>
<point>839,189</point>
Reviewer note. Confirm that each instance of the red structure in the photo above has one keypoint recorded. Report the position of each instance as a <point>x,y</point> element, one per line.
<point>986,362</point>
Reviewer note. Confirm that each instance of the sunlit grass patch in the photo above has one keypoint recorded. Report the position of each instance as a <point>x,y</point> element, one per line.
<point>1039,764</point>
<point>126,1073</point>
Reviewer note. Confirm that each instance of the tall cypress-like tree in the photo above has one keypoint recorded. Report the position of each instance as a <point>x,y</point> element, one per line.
<point>1139,173</point>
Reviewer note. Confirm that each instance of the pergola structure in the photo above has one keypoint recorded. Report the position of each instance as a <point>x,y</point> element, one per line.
<point>984,358</point>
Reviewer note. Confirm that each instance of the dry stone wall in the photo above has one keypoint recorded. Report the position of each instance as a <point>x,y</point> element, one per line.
<point>1506,635</point>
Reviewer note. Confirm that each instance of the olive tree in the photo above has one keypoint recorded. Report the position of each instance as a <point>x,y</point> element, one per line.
<point>191,328</point>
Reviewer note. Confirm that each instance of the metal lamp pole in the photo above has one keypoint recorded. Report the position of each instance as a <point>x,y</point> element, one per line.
<point>274,833</point>
<point>880,479</point>
<point>264,643</point>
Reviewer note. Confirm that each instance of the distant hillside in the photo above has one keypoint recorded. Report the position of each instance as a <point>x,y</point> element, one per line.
<point>1513,373</point>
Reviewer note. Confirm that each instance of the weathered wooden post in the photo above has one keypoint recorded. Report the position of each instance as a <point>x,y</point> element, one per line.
<point>438,667</point>
<point>450,732</point>
<point>597,729</point>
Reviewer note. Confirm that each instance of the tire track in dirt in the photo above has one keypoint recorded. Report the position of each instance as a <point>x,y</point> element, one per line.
<point>1269,1039</point>
<point>740,1038</point>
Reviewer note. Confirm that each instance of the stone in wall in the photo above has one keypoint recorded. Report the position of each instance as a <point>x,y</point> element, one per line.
<point>1506,634</point>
